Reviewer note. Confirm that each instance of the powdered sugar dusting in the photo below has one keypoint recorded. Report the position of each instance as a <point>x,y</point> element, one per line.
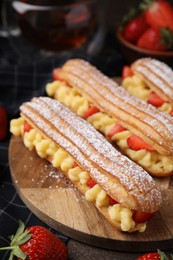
<point>158,73</point>
<point>108,95</point>
<point>90,149</point>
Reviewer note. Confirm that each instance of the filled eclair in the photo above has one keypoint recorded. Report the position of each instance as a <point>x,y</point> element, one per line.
<point>121,190</point>
<point>141,131</point>
<point>152,81</point>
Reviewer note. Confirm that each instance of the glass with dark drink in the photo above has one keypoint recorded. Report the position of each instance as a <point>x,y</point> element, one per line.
<point>56,25</point>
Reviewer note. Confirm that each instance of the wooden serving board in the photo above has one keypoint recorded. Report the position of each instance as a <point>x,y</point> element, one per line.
<point>55,201</point>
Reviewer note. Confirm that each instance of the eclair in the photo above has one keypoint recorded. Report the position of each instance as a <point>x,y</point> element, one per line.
<point>121,190</point>
<point>152,81</point>
<point>139,130</point>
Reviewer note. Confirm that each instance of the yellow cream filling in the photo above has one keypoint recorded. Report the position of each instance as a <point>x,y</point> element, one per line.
<point>59,158</point>
<point>136,86</point>
<point>151,161</point>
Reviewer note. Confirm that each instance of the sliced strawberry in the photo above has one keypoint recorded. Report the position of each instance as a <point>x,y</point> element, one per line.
<point>112,201</point>
<point>115,130</point>
<point>27,127</point>
<point>127,72</point>
<point>171,113</point>
<point>136,143</point>
<point>75,165</point>
<point>91,111</point>
<point>55,74</point>
<point>91,183</point>
<point>142,217</point>
<point>155,100</point>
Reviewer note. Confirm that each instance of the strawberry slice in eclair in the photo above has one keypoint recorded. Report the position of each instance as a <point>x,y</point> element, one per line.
<point>140,131</point>
<point>152,81</point>
<point>122,191</point>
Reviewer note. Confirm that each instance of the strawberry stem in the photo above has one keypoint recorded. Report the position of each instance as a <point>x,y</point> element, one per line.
<point>15,251</point>
<point>20,238</point>
<point>7,247</point>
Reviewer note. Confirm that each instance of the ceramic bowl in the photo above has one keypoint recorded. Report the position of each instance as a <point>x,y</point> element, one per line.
<point>131,52</point>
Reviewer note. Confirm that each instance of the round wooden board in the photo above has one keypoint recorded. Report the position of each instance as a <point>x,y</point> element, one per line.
<point>55,201</point>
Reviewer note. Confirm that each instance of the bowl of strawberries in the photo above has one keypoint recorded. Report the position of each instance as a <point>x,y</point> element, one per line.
<point>147,31</point>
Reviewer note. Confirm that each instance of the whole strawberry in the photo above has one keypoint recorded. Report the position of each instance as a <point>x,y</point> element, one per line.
<point>156,39</point>
<point>158,13</point>
<point>36,242</point>
<point>150,256</point>
<point>159,255</point>
<point>134,28</point>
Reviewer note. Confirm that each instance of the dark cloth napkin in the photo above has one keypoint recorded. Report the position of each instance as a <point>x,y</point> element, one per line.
<point>20,81</point>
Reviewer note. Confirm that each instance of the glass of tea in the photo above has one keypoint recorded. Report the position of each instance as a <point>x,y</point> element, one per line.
<point>54,25</point>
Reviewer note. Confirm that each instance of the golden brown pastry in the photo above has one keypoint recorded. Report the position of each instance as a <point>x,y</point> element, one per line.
<point>139,130</point>
<point>152,81</point>
<point>122,191</point>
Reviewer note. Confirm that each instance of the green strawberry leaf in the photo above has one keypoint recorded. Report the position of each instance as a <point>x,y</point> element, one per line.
<point>167,37</point>
<point>20,238</point>
<point>24,237</point>
<point>18,232</point>
<point>11,256</point>
<point>162,255</point>
<point>145,5</point>
<point>18,252</point>
<point>131,14</point>
<point>20,228</point>
<point>11,237</point>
